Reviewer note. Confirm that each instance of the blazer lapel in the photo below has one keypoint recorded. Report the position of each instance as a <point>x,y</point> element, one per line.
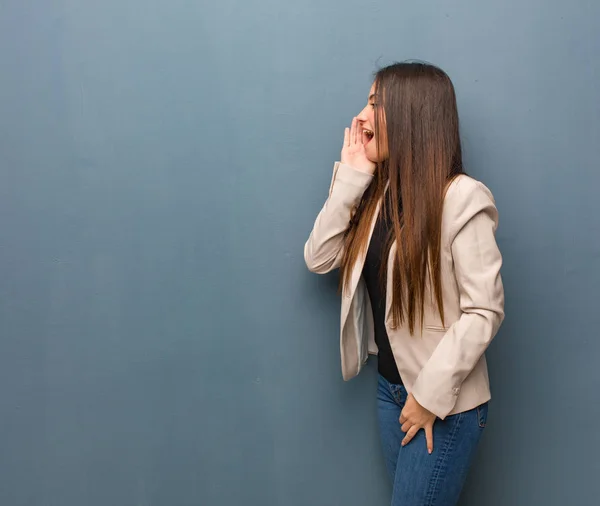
<point>357,271</point>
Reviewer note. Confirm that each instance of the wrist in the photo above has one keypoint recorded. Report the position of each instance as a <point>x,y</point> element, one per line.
<point>360,168</point>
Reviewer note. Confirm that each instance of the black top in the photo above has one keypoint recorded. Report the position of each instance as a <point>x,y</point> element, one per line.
<point>376,287</point>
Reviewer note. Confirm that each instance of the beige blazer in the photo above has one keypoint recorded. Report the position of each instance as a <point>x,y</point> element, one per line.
<point>443,365</point>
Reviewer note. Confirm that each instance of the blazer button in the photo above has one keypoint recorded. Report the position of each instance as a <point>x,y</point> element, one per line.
<point>455,391</point>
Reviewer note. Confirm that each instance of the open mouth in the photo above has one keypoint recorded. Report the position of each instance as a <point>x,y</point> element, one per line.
<point>369,134</point>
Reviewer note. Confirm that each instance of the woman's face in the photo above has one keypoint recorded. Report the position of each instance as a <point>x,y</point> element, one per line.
<point>370,136</point>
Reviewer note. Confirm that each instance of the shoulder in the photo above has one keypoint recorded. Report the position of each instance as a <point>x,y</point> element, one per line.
<point>464,189</point>
<point>466,198</point>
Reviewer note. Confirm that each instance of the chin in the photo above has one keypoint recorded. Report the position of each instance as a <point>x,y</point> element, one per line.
<point>373,157</point>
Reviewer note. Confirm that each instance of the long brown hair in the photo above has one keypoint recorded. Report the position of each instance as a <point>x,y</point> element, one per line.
<point>416,105</point>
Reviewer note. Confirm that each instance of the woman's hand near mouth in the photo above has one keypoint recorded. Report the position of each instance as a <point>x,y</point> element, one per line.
<point>353,151</point>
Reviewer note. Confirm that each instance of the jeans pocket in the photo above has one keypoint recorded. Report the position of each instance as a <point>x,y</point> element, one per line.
<point>482,413</point>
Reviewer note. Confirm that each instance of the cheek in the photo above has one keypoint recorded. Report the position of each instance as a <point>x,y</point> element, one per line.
<point>371,117</point>
<point>384,143</point>
<point>374,154</point>
<point>383,139</point>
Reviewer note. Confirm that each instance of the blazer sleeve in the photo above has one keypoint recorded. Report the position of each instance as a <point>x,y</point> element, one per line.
<point>472,221</point>
<point>324,249</point>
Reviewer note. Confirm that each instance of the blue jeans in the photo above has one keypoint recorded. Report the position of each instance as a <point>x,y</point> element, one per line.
<point>421,479</point>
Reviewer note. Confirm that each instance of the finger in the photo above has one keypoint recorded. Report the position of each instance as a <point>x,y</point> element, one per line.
<point>346,137</point>
<point>406,426</point>
<point>410,434</point>
<point>429,438</point>
<point>352,131</point>
<point>403,418</point>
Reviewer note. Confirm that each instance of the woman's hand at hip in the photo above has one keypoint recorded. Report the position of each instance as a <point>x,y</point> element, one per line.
<point>415,417</point>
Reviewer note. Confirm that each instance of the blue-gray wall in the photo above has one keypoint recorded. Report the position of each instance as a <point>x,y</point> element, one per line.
<point>161,164</point>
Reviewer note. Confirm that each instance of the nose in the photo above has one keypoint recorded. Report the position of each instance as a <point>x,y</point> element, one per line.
<point>362,116</point>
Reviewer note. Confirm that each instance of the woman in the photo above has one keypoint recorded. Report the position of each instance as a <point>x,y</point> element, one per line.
<point>414,239</point>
